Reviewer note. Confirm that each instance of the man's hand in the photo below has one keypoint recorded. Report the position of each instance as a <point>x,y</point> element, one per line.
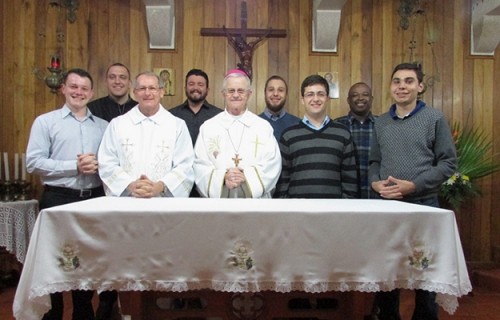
<point>145,188</point>
<point>233,178</point>
<point>393,188</point>
<point>87,163</point>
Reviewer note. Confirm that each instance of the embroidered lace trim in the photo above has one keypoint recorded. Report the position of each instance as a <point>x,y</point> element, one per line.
<point>446,295</point>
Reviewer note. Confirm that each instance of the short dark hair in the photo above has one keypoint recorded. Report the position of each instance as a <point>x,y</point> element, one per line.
<point>118,64</point>
<point>197,72</point>
<point>312,80</point>
<point>417,67</point>
<point>82,73</point>
<point>275,77</point>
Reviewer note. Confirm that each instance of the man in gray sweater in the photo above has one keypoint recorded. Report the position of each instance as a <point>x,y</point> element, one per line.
<point>412,154</point>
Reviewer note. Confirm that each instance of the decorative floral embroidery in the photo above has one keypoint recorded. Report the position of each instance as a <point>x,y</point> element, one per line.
<point>240,256</point>
<point>69,260</point>
<point>420,258</point>
<point>214,146</point>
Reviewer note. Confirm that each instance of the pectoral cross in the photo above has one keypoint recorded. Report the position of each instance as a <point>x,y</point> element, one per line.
<point>237,38</point>
<point>236,160</point>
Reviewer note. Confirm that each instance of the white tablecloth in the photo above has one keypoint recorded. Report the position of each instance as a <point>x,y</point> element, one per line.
<point>16,224</point>
<point>241,245</point>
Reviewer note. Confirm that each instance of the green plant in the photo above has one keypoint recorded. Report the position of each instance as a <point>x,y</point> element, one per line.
<point>475,161</point>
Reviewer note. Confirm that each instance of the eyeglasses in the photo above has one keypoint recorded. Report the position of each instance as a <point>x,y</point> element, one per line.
<point>231,92</point>
<point>319,94</point>
<point>142,90</point>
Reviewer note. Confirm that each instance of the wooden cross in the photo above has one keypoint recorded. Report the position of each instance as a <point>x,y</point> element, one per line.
<point>237,38</point>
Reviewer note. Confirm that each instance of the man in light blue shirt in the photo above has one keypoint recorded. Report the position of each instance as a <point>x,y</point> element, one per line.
<point>62,149</point>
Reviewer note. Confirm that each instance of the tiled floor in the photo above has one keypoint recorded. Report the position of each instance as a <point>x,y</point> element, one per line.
<point>480,305</point>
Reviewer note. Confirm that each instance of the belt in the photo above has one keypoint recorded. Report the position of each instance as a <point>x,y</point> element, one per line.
<point>82,193</point>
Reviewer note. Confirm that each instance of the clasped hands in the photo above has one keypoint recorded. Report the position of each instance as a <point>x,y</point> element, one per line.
<point>393,188</point>
<point>87,163</point>
<point>233,178</point>
<point>145,188</point>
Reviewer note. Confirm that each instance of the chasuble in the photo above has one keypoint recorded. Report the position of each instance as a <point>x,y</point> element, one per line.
<point>247,142</point>
<point>158,146</point>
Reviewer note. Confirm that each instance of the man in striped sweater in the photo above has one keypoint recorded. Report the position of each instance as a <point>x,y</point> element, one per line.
<point>412,154</point>
<point>318,155</point>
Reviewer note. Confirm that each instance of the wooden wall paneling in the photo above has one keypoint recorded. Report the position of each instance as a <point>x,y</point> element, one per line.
<point>25,93</point>
<point>457,69</point>
<point>389,33</point>
<point>119,18</point>
<point>77,39</point>
<point>356,53</point>
<point>432,26</point>
<point>11,53</point>
<point>446,66</point>
<point>379,87</point>
<point>367,44</point>
<point>139,39</point>
<point>101,38</point>
<point>294,47</point>
<point>258,17</point>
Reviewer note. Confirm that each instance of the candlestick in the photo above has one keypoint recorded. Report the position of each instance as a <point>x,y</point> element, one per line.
<point>23,167</point>
<point>55,62</point>
<point>16,166</point>
<point>6,165</point>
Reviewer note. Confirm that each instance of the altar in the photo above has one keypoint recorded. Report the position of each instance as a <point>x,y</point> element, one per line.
<point>241,246</point>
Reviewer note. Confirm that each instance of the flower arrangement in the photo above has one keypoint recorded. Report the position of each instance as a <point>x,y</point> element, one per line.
<point>474,161</point>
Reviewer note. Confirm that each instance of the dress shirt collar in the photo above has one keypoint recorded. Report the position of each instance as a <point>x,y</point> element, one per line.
<point>274,117</point>
<point>351,118</point>
<point>158,118</point>
<point>66,111</point>
<point>308,123</point>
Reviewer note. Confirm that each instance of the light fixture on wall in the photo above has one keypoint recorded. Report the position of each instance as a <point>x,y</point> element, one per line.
<point>70,5</point>
<point>55,77</point>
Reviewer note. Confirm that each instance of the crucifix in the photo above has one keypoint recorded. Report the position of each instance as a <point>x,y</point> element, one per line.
<point>237,160</point>
<point>237,38</point>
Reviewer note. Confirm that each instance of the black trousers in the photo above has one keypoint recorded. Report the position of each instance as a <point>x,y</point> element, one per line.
<point>82,299</point>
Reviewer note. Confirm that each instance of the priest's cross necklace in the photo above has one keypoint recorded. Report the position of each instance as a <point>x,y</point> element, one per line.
<point>236,158</point>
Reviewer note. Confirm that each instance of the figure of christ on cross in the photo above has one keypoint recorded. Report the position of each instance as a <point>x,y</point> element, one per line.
<point>238,39</point>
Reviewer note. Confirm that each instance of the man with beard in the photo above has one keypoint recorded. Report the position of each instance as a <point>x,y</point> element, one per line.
<point>118,100</point>
<point>360,122</point>
<point>275,92</point>
<point>195,110</point>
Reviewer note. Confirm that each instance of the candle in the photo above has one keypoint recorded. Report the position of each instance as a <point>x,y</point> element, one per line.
<point>16,166</point>
<point>23,167</point>
<point>55,62</point>
<point>0,168</point>
<point>6,165</point>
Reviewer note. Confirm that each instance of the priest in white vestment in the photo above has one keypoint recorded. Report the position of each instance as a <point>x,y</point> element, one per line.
<point>147,152</point>
<point>236,154</point>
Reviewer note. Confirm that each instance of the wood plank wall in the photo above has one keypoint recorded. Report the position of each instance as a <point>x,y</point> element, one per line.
<point>371,43</point>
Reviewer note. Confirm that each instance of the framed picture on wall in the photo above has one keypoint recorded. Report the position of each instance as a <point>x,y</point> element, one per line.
<point>332,78</point>
<point>167,75</point>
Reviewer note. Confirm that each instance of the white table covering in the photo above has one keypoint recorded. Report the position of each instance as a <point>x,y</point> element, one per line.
<point>241,245</point>
<point>17,219</point>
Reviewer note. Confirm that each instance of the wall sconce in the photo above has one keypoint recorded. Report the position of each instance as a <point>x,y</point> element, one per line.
<point>55,78</point>
<point>70,5</point>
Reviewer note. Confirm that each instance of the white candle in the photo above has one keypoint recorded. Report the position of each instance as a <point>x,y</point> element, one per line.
<point>23,167</point>
<point>16,166</point>
<point>6,165</point>
<point>0,168</point>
